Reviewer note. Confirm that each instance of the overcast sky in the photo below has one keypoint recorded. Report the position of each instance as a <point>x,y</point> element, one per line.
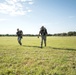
<point>57,16</point>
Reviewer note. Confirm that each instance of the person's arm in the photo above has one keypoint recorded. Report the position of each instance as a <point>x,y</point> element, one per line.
<point>22,33</point>
<point>17,33</point>
<point>39,34</point>
<point>46,32</point>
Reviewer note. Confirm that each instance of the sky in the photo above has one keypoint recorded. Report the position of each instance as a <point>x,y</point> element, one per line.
<point>58,16</point>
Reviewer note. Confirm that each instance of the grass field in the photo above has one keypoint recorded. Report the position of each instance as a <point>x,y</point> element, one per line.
<point>58,58</point>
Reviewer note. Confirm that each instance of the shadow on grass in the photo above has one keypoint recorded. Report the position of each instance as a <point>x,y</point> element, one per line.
<point>71,49</point>
<point>31,46</point>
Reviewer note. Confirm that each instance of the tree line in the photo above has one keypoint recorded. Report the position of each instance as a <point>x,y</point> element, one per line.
<point>71,33</point>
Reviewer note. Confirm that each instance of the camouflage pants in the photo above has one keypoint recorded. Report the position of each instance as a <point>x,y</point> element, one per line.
<point>19,40</point>
<point>43,39</point>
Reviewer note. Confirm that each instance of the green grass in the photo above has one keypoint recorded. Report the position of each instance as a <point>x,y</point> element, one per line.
<point>58,58</point>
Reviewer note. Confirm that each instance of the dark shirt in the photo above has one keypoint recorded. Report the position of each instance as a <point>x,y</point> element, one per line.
<point>43,31</point>
<point>19,33</point>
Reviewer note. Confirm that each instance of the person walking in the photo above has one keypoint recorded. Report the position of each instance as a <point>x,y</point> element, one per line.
<point>20,35</point>
<point>43,33</point>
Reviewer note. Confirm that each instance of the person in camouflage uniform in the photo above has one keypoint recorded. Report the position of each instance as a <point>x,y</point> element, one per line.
<point>19,34</point>
<point>43,33</point>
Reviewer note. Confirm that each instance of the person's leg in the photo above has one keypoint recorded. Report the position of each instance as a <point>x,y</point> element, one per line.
<point>42,41</point>
<point>19,40</point>
<point>45,40</point>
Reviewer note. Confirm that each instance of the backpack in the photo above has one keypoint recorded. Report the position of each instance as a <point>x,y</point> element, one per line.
<point>20,32</point>
<point>43,31</point>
